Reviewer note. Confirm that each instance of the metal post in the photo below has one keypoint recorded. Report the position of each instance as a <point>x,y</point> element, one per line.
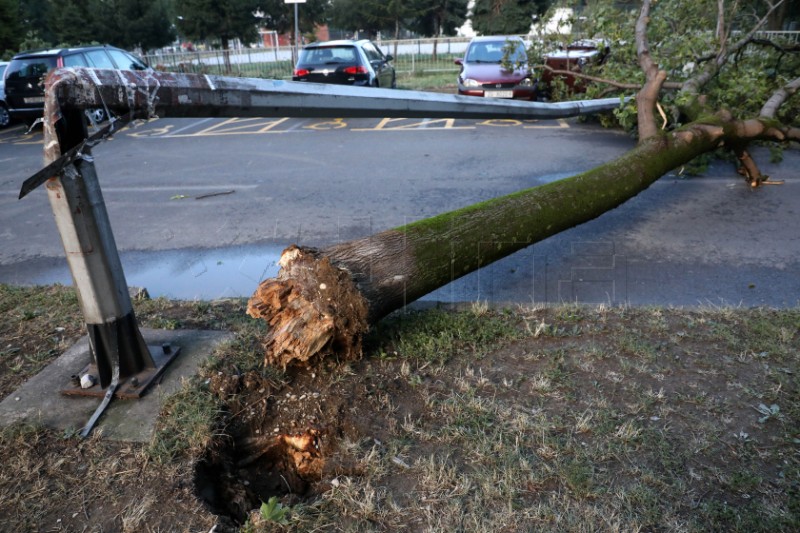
<point>296,36</point>
<point>122,362</point>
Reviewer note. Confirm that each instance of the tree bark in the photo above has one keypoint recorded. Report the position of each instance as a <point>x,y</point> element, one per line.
<point>323,301</point>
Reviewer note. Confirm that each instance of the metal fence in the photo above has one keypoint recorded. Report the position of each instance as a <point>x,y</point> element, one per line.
<point>411,57</point>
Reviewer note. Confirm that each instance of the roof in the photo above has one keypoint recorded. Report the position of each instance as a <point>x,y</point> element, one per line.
<point>340,42</point>
<point>495,38</point>
<point>57,51</point>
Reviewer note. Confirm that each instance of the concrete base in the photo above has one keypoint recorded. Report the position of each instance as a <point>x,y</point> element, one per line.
<point>40,401</point>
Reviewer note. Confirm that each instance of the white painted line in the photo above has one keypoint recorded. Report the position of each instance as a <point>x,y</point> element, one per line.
<point>164,188</point>
<point>181,188</point>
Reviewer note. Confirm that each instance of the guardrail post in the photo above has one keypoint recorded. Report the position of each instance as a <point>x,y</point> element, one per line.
<point>122,362</point>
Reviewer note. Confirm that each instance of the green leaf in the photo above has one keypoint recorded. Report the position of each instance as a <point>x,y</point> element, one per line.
<point>274,511</point>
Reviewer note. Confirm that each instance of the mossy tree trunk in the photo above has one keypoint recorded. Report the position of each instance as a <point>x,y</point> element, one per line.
<point>323,301</point>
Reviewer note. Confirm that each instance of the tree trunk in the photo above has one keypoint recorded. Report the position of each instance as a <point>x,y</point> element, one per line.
<point>396,35</point>
<point>323,301</point>
<point>226,56</point>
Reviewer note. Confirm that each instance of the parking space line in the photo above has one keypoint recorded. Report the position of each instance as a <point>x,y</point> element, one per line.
<point>391,124</point>
<point>562,124</point>
<point>192,125</point>
<point>239,126</point>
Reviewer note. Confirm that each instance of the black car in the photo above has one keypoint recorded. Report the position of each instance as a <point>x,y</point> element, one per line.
<point>24,77</point>
<point>345,63</point>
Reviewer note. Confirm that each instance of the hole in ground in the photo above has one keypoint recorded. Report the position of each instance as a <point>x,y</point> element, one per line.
<point>237,479</point>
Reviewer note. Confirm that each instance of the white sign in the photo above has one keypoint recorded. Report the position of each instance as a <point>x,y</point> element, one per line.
<point>294,1</point>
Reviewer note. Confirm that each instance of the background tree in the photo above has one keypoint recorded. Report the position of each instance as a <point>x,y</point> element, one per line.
<point>71,23</point>
<point>35,17</point>
<point>279,16</point>
<point>203,20</point>
<point>11,28</point>
<point>372,15</point>
<point>143,24</point>
<point>133,24</point>
<point>438,17</point>
<point>506,17</point>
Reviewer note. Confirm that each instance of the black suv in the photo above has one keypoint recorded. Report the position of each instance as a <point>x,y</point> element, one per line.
<point>25,74</point>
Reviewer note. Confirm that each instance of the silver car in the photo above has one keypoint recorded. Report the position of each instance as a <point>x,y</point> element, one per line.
<point>5,118</point>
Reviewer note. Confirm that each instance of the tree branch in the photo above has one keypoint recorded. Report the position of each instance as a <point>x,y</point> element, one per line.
<point>693,85</point>
<point>778,98</point>
<point>612,83</point>
<point>654,79</point>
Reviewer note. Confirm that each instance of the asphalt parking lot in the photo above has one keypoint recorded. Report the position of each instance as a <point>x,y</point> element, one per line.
<point>201,208</point>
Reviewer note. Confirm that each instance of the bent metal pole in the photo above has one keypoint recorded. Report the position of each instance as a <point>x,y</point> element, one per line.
<point>170,94</point>
<point>122,362</point>
<point>122,359</point>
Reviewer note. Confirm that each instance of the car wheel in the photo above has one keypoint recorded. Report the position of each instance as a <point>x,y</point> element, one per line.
<point>5,118</point>
<point>394,81</point>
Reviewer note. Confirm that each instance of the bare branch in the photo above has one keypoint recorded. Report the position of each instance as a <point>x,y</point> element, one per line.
<point>778,98</point>
<point>780,48</point>
<point>654,78</point>
<point>612,83</point>
<point>741,43</point>
<point>721,33</point>
<point>748,167</point>
<point>693,85</point>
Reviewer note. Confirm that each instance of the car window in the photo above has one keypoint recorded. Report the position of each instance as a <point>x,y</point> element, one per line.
<point>328,54</point>
<point>99,59</point>
<point>373,54</point>
<point>75,60</point>
<point>126,61</point>
<point>34,67</point>
<point>493,52</point>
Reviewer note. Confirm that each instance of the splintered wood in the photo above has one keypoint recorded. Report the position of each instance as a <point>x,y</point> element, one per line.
<point>312,307</point>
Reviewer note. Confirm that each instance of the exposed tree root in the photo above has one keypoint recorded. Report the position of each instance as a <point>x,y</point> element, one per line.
<point>312,307</point>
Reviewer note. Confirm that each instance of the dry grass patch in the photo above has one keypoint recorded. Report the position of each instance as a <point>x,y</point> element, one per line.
<point>549,419</point>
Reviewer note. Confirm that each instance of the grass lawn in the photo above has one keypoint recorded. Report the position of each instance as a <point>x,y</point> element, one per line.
<point>562,418</point>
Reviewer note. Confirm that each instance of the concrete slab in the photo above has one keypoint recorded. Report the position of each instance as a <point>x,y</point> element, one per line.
<point>39,400</point>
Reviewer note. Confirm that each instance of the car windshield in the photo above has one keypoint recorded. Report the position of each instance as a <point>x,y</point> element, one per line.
<point>493,52</point>
<point>33,67</point>
<point>328,55</point>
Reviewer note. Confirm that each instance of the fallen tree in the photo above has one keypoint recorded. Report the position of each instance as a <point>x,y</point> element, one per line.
<point>323,301</point>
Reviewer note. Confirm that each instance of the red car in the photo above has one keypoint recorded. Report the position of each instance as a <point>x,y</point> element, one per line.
<point>484,74</point>
<point>574,58</point>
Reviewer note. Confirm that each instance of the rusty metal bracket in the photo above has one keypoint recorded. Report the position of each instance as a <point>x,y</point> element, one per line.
<point>133,386</point>
<point>58,166</point>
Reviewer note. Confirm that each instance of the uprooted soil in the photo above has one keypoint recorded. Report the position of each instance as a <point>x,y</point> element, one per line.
<point>548,419</point>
